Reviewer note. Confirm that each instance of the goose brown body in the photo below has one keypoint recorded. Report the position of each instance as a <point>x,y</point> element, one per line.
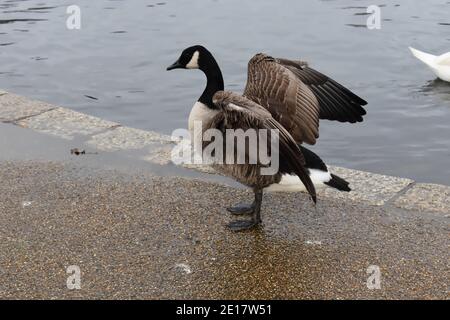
<point>238,112</point>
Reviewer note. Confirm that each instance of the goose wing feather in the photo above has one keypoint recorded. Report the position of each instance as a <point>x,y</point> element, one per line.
<point>298,96</point>
<point>346,106</point>
<point>288,99</point>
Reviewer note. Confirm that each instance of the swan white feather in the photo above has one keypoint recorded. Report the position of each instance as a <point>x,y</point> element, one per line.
<point>440,65</point>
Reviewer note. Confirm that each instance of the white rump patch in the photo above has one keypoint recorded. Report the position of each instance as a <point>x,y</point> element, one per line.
<point>193,64</point>
<point>292,183</point>
<point>319,176</point>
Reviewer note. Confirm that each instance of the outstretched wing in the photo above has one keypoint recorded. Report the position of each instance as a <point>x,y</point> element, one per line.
<point>239,112</point>
<point>288,99</point>
<point>336,102</point>
<point>298,96</point>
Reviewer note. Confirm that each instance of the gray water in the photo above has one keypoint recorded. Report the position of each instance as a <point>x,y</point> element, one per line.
<point>120,54</point>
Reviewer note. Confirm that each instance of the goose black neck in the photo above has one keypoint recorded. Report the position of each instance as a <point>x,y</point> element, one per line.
<point>214,80</point>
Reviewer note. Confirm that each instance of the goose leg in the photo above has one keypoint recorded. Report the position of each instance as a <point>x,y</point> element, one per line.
<point>241,225</point>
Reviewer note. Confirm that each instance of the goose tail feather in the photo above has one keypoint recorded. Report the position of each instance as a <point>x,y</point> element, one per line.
<point>338,183</point>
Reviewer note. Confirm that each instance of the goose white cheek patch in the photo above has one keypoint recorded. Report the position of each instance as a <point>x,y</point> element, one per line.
<point>193,64</point>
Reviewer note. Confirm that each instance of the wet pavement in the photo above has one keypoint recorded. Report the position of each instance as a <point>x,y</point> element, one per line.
<point>134,234</point>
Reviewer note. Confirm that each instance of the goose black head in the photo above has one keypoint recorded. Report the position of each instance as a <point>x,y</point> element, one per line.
<point>198,57</point>
<point>195,57</point>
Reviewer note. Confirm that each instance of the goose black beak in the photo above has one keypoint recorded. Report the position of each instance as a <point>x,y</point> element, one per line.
<point>176,65</point>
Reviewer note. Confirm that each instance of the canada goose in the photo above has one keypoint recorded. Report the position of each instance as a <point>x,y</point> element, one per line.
<point>280,94</point>
<point>440,65</point>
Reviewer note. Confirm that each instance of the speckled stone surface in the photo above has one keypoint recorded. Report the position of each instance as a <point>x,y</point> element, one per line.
<point>163,155</point>
<point>201,168</point>
<point>125,138</point>
<point>66,123</point>
<point>159,154</point>
<point>137,236</point>
<point>367,187</point>
<point>13,107</point>
<point>426,197</point>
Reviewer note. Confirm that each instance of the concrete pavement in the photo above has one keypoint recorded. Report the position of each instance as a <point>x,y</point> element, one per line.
<point>134,235</point>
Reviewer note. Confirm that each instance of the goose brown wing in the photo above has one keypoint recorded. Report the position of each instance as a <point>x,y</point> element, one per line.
<point>336,101</point>
<point>239,112</point>
<point>285,96</point>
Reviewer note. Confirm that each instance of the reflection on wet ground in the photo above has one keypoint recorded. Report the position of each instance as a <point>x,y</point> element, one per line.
<point>114,67</point>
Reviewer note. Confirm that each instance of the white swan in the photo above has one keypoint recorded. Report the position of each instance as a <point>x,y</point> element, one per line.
<point>440,65</point>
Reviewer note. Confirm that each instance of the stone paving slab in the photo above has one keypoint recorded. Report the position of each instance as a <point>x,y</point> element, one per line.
<point>371,188</point>
<point>66,123</point>
<point>164,156</point>
<point>13,107</point>
<point>426,197</point>
<point>159,154</point>
<point>125,138</point>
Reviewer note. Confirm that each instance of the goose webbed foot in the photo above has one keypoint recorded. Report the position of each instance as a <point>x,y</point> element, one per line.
<point>254,209</point>
<point>241,209</point>
<point>242,225</point>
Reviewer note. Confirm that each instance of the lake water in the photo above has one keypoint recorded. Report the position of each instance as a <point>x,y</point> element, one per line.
<point>120,54</point>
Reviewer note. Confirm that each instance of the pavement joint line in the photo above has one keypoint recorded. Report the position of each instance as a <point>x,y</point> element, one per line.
<point>370,188</point>
<point>400,193</point>
<point>14,121</point>
<point>13,107</point>
<point>103,131</point>
<point>426,197</point>
<point>86,138</point>
<point>66,123</point>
